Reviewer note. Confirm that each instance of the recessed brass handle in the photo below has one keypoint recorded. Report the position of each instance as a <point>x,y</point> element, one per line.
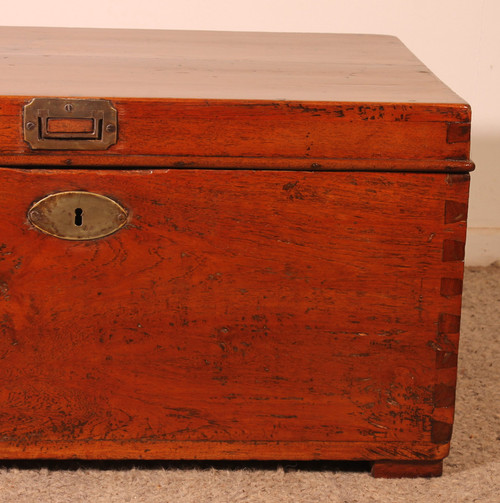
<point>70,124</point>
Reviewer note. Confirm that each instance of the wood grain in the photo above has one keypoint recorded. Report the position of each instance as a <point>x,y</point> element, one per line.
<point>233,100</point>
<point>94,449</point>
<point>276,135</point>
<point>214,65</point>
<point>287,309</point>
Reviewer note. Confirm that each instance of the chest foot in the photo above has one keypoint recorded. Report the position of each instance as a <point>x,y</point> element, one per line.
<point>412,469</point>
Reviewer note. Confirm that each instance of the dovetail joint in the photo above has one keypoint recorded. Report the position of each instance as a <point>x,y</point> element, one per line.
<point>441,432</point>
<point>458,132</point>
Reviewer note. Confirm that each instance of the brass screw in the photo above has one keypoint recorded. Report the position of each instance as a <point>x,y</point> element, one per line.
<point>68,107</point>
<point>30,126</point>
<point>110,128</point>
<point>34,215</point>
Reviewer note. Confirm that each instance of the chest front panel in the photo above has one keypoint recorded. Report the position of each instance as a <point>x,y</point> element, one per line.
<point>254,306</point>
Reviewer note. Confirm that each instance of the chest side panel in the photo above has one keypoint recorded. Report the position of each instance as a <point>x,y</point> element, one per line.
<point>234,306</point>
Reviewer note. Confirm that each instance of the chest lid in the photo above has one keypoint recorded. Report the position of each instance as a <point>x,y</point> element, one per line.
<point>137,98</point>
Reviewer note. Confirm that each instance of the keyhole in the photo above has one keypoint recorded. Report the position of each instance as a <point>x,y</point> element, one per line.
<point>78,217</point>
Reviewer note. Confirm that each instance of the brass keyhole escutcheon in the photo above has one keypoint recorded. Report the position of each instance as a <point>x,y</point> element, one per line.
<point>77,215</point>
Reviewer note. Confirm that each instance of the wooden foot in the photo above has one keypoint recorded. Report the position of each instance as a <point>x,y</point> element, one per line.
<point>401,469</point>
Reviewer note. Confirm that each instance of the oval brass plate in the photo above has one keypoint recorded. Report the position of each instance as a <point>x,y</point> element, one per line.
<point>77,215</point>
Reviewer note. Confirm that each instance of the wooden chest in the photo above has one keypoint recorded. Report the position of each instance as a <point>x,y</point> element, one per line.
<point>228,246</point>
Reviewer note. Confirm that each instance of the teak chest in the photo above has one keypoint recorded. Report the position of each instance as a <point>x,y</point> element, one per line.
<point>228,246</point>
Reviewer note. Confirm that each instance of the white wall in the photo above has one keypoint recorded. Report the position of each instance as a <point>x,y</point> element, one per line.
<point>457,39</point>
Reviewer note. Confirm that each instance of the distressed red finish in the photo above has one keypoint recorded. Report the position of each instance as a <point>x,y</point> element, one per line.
<point>235,306</point>
<point>287,286</point>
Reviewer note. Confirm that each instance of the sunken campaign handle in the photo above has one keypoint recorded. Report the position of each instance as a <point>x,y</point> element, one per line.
<point>70,124</point>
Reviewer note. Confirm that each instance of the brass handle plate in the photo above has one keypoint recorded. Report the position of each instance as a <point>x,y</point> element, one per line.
<point>77,215</point>
<point>70,124</point>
